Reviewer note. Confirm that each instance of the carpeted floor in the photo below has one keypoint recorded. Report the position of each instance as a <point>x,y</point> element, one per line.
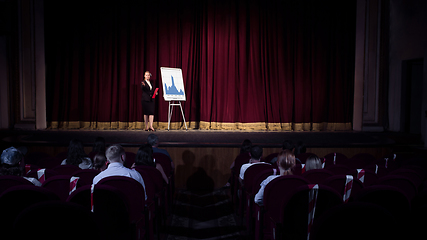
<point>203,216</point>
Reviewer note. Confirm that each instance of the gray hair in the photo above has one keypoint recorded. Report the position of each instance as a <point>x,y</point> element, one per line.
<point>114,152</point>
<point>11,156</point>
<point>313,162</point>
<point>152,139</point>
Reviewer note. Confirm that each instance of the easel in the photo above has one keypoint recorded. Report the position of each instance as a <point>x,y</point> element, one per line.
<point>171,104</point>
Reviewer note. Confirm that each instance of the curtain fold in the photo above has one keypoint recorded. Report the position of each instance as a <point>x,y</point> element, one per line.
<point>277,65</point>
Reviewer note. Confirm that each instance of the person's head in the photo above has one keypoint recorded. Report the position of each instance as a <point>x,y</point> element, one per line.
<point>300,148</point>
<point>76,152</point>
<point>285,162</point>
<point>256,152</point>
<point>153,140</point>
<point>115,153</point>
<point>313,162</point>
<point>144,156</point>
<point>10,162</point>
<point>99,145</point>
<point>100,162</point>
<point>246,146</point>
<point>288,145</point>
<point>147,75</point>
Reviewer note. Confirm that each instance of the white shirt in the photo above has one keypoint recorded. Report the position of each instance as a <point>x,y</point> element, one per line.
<point>117,169</point>
<point>149,84</point>
<point>246,166</point>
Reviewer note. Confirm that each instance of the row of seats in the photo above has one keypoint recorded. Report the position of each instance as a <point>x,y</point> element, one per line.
<point>286,197</point>
<point>116,199</point>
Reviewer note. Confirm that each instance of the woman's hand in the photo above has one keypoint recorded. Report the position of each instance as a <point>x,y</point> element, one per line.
<point>143,83</point>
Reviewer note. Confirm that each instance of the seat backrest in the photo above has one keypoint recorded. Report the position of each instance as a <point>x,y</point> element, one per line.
<point>339,159</point>
<point>55,219</point>
<point>317,176</point>
<point>66,169</point>
<point>391,198</point>
<point>337,182</point>
<point>338,169</point>
<point>113,208</point>
<point>401,182</point>
<point>258,179</point>
<point>48,174</point>
<point>49,162</point>
<point>60,185</point>
<point>251,172</point>
<point>294,216</point>
<point>370,177</point>
<point>81,196</point>
<point>411,174</point>
<point>367,221</point>
<point>34,157</point>
<point>239,161</point>
<point>165,161</point>
<point>7,182</point>
<point>130,159</point>
<point>278,191</point>
<point>154,174</point>
<point>134,192</point>
<point>17,198</point>
<point>366,157</point>
<point>86,176</point>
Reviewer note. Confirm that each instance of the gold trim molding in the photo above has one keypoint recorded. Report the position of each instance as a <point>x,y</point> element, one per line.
<point>258,126</point>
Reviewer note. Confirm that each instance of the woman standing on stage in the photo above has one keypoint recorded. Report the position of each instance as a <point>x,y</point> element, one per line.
<point>148,101</point>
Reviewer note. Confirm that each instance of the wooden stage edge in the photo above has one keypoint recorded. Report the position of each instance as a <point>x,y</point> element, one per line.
<point>196,152</point>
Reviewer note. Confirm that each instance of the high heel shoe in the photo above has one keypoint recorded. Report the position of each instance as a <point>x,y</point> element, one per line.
<point>152,129</point>
<point>146,130</point>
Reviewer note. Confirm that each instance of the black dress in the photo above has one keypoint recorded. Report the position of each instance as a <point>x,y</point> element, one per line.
<point>147,100</point>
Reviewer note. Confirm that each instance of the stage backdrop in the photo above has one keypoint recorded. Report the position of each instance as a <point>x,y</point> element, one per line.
<point>260,64</point>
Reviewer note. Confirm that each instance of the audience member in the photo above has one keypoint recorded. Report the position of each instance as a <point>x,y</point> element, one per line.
<point>256,154</point>
<point>116,156</point>
<point>11,159</point>
<point>99,145</point>
<point>144,157</point>
<point>100,162</point>
<point>313,162</point>
<point>285,162</point>
<point>245,149</point>
<point>153,140</point>
<point>77,156</point>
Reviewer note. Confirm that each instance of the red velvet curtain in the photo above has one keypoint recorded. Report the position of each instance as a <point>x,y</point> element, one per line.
<point>246,64</point>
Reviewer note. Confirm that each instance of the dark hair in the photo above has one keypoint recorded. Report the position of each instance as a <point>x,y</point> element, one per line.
<point>76,152</point>
<point>256,152</point>
<point>300,148</point>
<point>288,145</point>
<point>11,170</point>
<point>99,145</point>
<point>286,161</point>
<point>144,156</point>
<point>99,161</point>
<point>246,146</point>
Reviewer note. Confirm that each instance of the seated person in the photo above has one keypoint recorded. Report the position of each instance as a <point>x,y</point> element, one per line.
<point>313,162</point>
<point>255,153</point>
<point>11,159</point>
<point>77,156</point>
<point>100,162</point>
<point>153,140</point>
<point>144,157</point>
<point>285,161</point>
<point>116,156</point>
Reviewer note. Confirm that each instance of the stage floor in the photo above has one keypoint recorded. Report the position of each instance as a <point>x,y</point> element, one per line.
<point>207,138</point>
